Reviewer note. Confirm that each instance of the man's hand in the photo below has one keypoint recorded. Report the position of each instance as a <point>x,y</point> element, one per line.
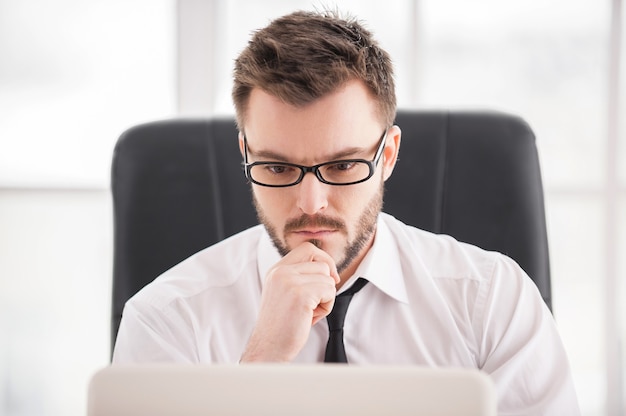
<point>299,291</point>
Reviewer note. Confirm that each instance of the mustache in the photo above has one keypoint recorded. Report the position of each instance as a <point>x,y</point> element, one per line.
<point>313,221</point>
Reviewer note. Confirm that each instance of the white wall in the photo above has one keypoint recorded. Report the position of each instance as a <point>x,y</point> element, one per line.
<point>55,292</point>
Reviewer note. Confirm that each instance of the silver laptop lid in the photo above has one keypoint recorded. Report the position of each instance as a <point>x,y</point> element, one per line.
<point>288,389</point>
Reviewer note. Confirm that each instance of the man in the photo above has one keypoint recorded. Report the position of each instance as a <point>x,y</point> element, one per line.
<point>315,103</point>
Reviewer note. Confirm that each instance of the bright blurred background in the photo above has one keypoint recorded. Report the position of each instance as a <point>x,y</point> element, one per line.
<point>74,74</point>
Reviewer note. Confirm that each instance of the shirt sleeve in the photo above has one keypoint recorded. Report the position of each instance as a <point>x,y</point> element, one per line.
<point>151,335</point>
<point>521,348</point>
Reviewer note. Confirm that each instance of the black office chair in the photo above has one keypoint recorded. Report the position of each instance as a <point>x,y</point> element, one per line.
<point>178,187</point>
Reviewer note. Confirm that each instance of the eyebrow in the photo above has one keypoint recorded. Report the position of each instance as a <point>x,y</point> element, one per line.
<point>348,153</point>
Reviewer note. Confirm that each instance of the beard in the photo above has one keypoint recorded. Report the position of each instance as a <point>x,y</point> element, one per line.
<point>364,229</point>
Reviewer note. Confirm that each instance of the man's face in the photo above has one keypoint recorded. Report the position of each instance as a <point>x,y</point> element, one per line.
<point>340,220</point>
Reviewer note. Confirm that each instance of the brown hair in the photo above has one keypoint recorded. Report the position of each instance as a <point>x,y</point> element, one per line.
<point>303,56</point>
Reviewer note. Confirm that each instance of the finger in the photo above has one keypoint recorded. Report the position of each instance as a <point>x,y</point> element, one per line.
<point>314,267</point>
<point>323,309</point>
<point>326,259</point>
<point>308,252</point>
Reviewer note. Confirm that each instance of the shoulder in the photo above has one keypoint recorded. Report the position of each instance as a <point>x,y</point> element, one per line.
<point>458,270</point>
<point>215,268</point>
<point>442,256</point>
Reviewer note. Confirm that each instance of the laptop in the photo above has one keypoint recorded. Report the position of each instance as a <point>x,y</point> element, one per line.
<point>289,389</point>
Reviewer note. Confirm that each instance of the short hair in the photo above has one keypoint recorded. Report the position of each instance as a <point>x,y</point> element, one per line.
<point>304,56</point>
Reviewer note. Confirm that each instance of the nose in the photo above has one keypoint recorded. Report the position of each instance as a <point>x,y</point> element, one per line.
<point>312,194</point>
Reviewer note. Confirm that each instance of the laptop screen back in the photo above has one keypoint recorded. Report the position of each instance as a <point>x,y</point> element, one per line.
<point>288,389</point>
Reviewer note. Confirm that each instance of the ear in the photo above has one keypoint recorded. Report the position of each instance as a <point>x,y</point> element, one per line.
<point>241,144</point>
<point>390,153</point>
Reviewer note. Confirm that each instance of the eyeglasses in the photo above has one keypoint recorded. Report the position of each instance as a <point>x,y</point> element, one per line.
<point>337,172</point>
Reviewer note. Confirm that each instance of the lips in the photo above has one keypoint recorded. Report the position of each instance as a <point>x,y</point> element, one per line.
<point>314,232</point>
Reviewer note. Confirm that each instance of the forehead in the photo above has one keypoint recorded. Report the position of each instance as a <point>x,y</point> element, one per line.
<point>346,118</point>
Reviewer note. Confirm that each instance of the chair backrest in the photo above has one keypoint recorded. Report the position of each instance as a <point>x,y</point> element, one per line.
<point>178,187</point>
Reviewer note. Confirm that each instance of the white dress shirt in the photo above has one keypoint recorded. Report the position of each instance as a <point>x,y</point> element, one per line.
<point>431,301</point>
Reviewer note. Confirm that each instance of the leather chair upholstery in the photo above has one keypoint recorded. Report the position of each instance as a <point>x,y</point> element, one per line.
<point>178,186</point>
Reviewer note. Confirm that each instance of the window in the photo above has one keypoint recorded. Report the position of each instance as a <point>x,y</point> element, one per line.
<point>74,75</point>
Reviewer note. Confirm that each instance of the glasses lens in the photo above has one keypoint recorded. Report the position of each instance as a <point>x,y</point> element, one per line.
<point>339,173</point>
<point>345,171</point>
<point>275,174</point>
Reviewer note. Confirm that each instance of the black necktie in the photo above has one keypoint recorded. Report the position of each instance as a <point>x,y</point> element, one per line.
<point>335,352</point>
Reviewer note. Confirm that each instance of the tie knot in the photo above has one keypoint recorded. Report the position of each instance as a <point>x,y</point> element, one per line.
<point>337,316</point>
<point>358,285</point>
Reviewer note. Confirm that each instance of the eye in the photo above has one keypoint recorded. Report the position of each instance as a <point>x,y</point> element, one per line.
<point>279,169</point>
<point>342,166</point>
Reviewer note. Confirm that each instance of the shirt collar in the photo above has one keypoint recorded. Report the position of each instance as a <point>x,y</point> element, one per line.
<point>381,266</point>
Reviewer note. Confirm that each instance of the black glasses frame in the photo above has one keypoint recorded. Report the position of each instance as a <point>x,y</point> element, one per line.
<point>316,168</point>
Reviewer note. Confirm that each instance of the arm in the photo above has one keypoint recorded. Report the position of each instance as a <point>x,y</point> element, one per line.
<point>147,334</point>
<point>521,348</point>
<point>299,291</point>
